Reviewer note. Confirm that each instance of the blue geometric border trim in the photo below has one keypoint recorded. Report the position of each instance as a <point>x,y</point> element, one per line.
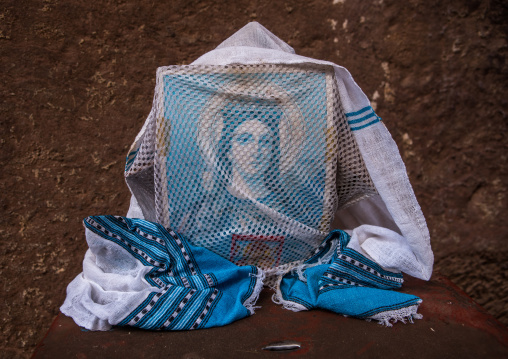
<point>362,118</point>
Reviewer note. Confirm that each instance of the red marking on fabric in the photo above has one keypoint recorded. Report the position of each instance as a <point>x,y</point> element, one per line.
<point>259,250</point>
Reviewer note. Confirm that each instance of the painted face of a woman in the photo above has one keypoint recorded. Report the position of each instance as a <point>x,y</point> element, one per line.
<point>251,148</point>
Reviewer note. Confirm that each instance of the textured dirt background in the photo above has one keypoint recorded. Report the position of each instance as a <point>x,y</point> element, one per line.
<point>77,81</point>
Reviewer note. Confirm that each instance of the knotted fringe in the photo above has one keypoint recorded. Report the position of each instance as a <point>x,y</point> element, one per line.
<point>403,315</point>
<point>252,300</point>
<point>292,306</point>
<point>277,295</point>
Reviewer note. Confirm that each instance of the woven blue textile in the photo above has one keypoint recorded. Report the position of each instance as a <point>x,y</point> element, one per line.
<point>348,284</point>
<point>193,287</point>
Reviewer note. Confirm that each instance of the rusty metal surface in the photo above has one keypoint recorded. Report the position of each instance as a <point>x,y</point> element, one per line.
<point>453,327</point>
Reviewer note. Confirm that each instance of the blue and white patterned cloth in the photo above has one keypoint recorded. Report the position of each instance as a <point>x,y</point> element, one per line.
<point>138,273</point>
<point>348,283</point>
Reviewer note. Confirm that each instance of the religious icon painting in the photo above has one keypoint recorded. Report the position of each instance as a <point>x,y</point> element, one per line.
<point>244,153</point>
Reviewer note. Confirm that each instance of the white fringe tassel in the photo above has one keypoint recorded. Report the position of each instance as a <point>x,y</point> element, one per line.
<point>277,297</point>
<point>403,315</point>
<point>251,301</point>
<point>300,271</point>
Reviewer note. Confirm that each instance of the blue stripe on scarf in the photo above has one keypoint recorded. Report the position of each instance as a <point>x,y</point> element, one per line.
<point>362,118</point>
<point>351,114</point>
<point>343,268</point>
<point>212,308</point>
<point>137,310</point>
<point>370,115</point>
<point>127,241</point>
<point>366,125</point>
<point>190,310</point>
<point>195,312</point>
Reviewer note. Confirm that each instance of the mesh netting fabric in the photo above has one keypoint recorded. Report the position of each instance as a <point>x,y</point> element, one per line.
<point>246,159</point>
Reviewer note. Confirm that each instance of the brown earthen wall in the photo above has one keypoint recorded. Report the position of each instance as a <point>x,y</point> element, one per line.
<point>76,84</point>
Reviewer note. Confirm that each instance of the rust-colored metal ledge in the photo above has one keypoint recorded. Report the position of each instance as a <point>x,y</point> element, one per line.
<point>453,326</point>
